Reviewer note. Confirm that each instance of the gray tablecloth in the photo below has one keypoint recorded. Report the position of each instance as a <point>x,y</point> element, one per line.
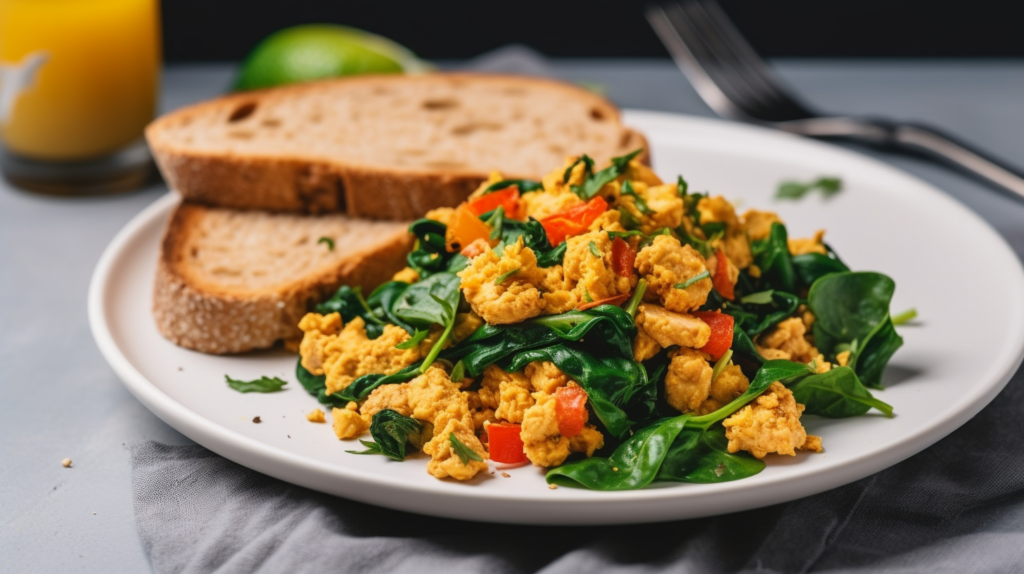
<point>956,507</point>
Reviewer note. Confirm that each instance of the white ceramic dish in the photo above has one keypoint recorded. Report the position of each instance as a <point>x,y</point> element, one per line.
<point>943,258</point>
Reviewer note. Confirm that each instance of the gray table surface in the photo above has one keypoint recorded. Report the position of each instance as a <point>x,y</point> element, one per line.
<point>58,398</point>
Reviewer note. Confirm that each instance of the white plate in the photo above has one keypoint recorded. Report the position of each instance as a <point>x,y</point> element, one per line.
<point>965,282</point>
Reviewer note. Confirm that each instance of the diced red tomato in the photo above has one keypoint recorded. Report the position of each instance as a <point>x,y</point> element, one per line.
<point>623,257</point>
<point>616,300</point>
<point>504,443</point>
<point>465,228</point>
<point>721,332</point>
<point>507,198</point>
<point>574,220</point>
<point>721,278</point>
<point>570,410</point>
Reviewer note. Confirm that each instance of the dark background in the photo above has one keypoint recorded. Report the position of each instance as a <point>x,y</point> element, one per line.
<point>197,30</point>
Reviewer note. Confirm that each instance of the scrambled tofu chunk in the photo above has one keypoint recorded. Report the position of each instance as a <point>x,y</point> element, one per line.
<point>668,328</point>
<point>589,440</point>
<point>771,423</point>
<point>346,355</point>
<point>541,204</point>
<point>728,385</point>
<point>394,397</point>
<point>433,393</point>
<point>591,276</point>
<point>524,294</point>
<point>735,242</point>
<point>644,345</point>
<point>441,215</point>
<point>507,393</point>
<point>787,341</point>
<point>316,416</point>
<point>759,223</point>
<point>666,263</point>
<point>816,244</point>
<point>444,462</point>
<point>542,442</point>
<point>688,381</point>
<point>545,377</point>
<point>666,205</point>
<point>408,275</point>
<point>348,424</point>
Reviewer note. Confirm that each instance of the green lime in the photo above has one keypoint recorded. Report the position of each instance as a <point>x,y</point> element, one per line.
<point>316,51</point>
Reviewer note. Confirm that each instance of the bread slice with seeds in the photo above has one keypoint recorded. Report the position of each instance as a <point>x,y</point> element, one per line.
<point>385,147</point>
<point>231,281</point>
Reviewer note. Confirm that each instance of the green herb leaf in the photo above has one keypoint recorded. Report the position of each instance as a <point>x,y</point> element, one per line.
<point>828,186</point>
<point>328,241</point>
<point>458,372</point>
<point>504,276</point>
<point>524,185</point>
<point>495,219</point>
<point>586,295</point>
<point>349,303</point>
<point>641,204</point>
<point>904,317</point>
<point>595,182</point>
<point>594,250</point>
<point>464,453</point>
<point>417,305</point>
<point>700,276</point>
<point>759,298</point>
<point>411,342</point>
<point>721,364</point>
<point>260,385</point>
<point>371,448</point>
<point>585,159</point>
<point>681,187</point>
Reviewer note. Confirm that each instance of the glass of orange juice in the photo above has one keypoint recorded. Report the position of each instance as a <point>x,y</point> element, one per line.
<point>78,84</point>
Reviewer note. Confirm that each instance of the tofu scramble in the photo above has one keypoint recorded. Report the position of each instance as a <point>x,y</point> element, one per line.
<point>575,322</point>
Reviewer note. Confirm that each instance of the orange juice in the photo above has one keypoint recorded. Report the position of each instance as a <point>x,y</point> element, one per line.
<point>78,78</point>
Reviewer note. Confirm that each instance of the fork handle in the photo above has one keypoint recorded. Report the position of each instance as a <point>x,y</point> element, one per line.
<point>916,138</point>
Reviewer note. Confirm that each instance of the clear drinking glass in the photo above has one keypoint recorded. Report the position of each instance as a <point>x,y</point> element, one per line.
<point>78,84</point>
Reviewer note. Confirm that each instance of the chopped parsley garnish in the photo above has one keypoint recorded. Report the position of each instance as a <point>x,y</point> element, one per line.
<point>411,342</point>
<point>260,385</point>
<point>594,250</point>
<point>759,298</point>
<point>464,453</point>
<point>904,317</point>
<point>504,276</point>
<point>328,241</point>
<point>828,186</point>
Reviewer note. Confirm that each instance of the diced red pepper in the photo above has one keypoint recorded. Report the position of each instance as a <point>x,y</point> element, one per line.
<point>504,443</point>
<point>623,257</point>
<point>721,332</point>
<point>721,278</point>
<point>507,198</point>
<point>616,300</point>
<point>570,410</point>
<point>574,220</point>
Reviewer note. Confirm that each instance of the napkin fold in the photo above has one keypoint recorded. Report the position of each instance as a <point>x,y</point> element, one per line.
<point>955,507</point>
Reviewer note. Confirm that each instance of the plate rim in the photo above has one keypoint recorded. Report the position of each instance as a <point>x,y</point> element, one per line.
<point>276,462</point>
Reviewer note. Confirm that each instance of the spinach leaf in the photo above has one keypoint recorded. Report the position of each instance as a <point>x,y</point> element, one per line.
<point>535,238</point>
<point>772,256</point>
<point>745,354</point>
<point>596,181</point>
<point>755,318</point>
<point>810,267</point>
<point>637,461</point>
<point>430,254</point>
<point>391,431</point>
<point>524,185</point>
<point>316,385</point>
<point>588,165</point>
<point>383,298</point>
<point>349,302</point>
<point>703,457</point>
<point>851,311</point>
<point>611,383</point>
<point>837,393</point>
<point>641,204</point>
<point>364,385</point>
<point>828,186</point>
<point>260,385</point>
<point>417,306</point>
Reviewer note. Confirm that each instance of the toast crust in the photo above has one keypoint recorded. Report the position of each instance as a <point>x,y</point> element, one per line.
<point>297,183</point>
<point>205,317</point>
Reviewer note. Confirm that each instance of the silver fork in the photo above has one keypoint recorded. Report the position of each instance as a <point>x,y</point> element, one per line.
<point>737,84</point>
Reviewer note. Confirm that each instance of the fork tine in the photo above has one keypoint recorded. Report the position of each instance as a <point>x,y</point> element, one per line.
<point>690,54</point>
<point>724,69</point>
<point>751,66</point>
